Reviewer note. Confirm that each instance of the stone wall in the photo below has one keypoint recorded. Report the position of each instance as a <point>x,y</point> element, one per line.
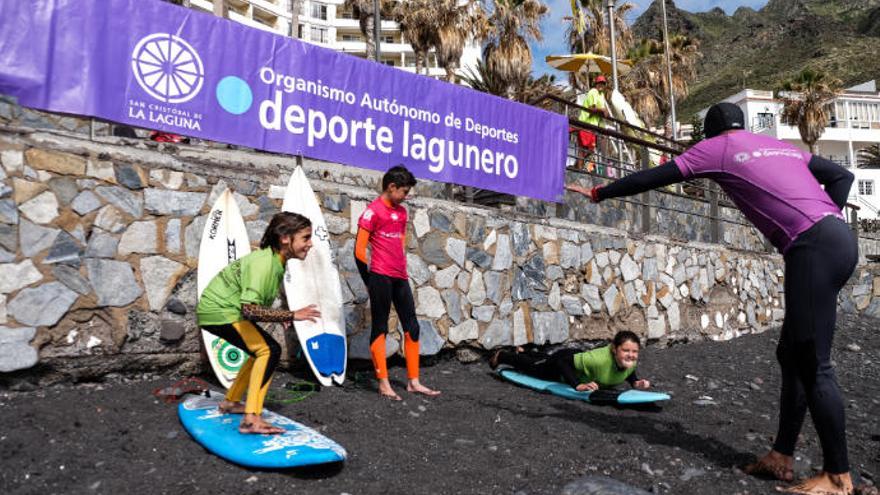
<point>99,243</point>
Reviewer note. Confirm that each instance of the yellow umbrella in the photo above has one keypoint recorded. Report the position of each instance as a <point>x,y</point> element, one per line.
<point>595,63</point>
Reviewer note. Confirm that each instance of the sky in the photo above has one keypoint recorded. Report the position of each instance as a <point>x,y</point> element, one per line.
<point>553,27</point>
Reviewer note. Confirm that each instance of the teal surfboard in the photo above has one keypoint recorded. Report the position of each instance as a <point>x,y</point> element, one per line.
<point>598,397</point>
<point>217,432</point>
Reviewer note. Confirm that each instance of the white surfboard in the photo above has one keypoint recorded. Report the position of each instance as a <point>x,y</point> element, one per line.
<point>622,110</point>
<point>315,280</point>
<point>224,240</point>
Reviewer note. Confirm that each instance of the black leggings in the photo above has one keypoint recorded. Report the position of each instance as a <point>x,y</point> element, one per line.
<point>551,367</point>
<point>384,291</point>
<point>817,265</point>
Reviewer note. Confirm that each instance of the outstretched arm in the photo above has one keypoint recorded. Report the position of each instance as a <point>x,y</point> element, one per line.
<point>836,179</point>
<point>636,183</point>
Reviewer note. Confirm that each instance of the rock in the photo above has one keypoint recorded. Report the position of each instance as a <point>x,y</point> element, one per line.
<point>421,223</point>
<point>553,299</point>
<point>8,212</point>
<point>440,221</point>
<point>476,230</point>
<point>101,170</point>
<point>140,237</point>
<point>430,341</point>
<point>468,330</point>
<point>590,293</point>
<point>176,306</point>
<point>336,225</point>
<point>602,259</point>
<point>12,160</point>
<point>16,353</point>
<point>479,257</point>
<point>85,202</point>
<point>429,303</point>
<point>159,275</point>
<point>476,289</point>
<point>600,485</point>
<point>613,300</point>
<point>570,255</point>
<point>70,277</point>
<point>357,208</point>
<point>335,202</point>
<point>490,240</point>
<point>6,256</point>
<point>498,333</point>
<point>60,163</point>
<point>445,278</point>
<point>433,249</point>
<point>417,269</point>
<point>256,229</point>
<point>357,287</point>
<point>171,330</point>
<point>456,249</point>
<point>43,305</point>
<point>503,255</point>
<point>521,238</point>
<point>127,201</point>
<point>113,282</point>
<point>691,473</point>
<point>549,327</point>
<point>452,298</point>
<point>245,207</point>
<point>573,306</point>
<point>466,355</point>
<point>41,209</point>
<point>65,189</point>
<point>24,190</point>
<point>496,285</point>
<point>169,179</point>
<point>66,249</point>
<point>483,313</point>
<point>15,276</point>
<point>101,245</point>
<point>110,219</point>
<point>192,236</point>
<point>853,347</point>
<point>657,327</point>
<point>176,203</point>
<point>34,238</point>
<point>629,269</point>
<point>131,176</point>
<point>172,236</point>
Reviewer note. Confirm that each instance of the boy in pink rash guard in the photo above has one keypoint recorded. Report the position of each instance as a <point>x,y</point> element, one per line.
<point>779,189</point>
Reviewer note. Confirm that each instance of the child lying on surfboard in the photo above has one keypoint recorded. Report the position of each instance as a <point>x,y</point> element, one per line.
<point>242,294</point>
<point>602,367</point>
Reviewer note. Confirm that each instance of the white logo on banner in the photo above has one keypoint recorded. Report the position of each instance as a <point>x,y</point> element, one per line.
<point>167,68</point>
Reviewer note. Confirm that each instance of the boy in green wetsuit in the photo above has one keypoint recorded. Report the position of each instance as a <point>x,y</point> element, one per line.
<point>242,294</point>
<point>603,367</point>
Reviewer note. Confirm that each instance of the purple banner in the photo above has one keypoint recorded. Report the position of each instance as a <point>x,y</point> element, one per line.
<point>151,64</point>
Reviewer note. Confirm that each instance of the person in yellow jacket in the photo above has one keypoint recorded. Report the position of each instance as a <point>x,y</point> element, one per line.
<point>595,108</point>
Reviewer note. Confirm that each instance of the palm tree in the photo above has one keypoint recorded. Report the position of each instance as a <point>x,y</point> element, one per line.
<point>416,19</point>
<point>646,86</point>
<point>595,33</point>
<point>804,100</point>
<point>455,21</point>
<point>482,79</point>
<point>510,26</point>
<point>363,10</point>
<point>869,157</point>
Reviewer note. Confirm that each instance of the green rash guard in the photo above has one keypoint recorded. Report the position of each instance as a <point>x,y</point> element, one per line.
<point>253,279</point>
<point>598,365</point>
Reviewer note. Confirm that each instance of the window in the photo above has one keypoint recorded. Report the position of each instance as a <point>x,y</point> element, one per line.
<point>319,34</point>
<point>388,62</point>
<point>866,187</point>
<point>319,11</point>
<point>346,14</point>
<point>300,31</point>
<point>387,39</point>
<point>765,120</point>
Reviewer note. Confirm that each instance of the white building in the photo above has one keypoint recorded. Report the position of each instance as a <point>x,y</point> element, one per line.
<point>325,23</point>
<point>855,124</point>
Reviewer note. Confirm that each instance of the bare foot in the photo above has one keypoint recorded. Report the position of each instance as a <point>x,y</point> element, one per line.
<point>253,424</point>
<point>386,391</point>
<point>229,407</point>
<point>822,484</point>
<point>774,465</point>
<point>417,388</point>
<point>493,361</point>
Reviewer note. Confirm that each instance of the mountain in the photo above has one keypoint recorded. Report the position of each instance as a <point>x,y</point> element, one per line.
<point>756,49</point>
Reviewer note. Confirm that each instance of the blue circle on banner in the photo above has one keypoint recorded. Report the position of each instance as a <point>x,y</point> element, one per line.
<point>234,95</point>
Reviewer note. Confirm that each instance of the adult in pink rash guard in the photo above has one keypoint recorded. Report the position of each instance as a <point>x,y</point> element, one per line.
<point>779,188</point>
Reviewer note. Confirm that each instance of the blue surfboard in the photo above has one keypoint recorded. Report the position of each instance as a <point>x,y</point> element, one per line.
<point>564,390</point>
<point>217,432</point>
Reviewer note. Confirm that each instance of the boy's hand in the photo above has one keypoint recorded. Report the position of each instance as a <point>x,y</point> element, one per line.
<point>642,384</point>
<point>585,387</point>
<point>593,193</point>
<point>308,313</point>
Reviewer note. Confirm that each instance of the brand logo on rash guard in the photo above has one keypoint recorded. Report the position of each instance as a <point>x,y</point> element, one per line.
<point>742,157</point>
<point>368,214</point>
<point>394,216</point>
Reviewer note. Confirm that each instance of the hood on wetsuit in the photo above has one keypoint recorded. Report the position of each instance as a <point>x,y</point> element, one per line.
<point>723,117</point>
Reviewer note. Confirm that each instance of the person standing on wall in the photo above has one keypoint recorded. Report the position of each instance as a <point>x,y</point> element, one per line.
<point>595,108</point>
<point>778,187</point>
